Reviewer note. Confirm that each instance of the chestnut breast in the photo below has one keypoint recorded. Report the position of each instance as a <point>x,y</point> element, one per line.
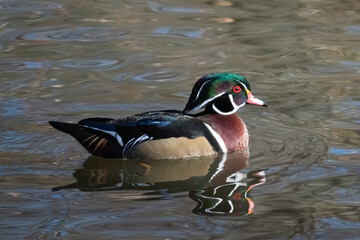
<point>232,130</point>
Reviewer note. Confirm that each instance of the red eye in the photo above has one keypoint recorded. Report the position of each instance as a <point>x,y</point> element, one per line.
<point>236,89</point>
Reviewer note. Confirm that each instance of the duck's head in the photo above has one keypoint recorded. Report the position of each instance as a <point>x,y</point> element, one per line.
<point>223,93</point>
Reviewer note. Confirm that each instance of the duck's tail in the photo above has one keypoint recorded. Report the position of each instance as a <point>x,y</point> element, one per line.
<point>94,141</point>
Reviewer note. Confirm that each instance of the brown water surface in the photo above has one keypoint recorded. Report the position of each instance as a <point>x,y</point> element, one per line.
<point>69,60</point>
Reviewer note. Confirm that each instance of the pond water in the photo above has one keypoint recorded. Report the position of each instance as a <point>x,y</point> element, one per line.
<point>69,60</point>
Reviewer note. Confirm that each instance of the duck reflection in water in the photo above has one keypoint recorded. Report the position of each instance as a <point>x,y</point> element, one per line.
<point>215,183</point>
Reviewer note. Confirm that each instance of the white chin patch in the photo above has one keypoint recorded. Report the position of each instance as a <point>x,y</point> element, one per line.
<point>235,107</point>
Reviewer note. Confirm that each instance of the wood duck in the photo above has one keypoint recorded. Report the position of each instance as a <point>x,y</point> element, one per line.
<point>208,125</point>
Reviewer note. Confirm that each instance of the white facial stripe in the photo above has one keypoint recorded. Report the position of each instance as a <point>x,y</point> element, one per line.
<point>197,95</point>
<point>232,102</point>
<point>221,112</point>
<point>243,85</point>
<point>209,100</point>
<point>114,134</point>
<point>218,138</point>
<point>235,107</point>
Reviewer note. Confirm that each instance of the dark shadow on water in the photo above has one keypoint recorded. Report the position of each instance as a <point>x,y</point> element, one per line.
<point>218,184</point>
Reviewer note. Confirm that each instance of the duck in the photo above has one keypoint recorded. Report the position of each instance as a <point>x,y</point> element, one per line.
<point>208,125</point>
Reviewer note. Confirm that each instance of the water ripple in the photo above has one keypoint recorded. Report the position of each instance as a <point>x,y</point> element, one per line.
<point>89,63</point>
<point>156,7</point>
<point>77,34</point>
<point>151,76</point>
<point>355,29</point>
<point>11,107</point>
<point>282,145</point>
<point>183,32</point>
<point>30,6</point>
